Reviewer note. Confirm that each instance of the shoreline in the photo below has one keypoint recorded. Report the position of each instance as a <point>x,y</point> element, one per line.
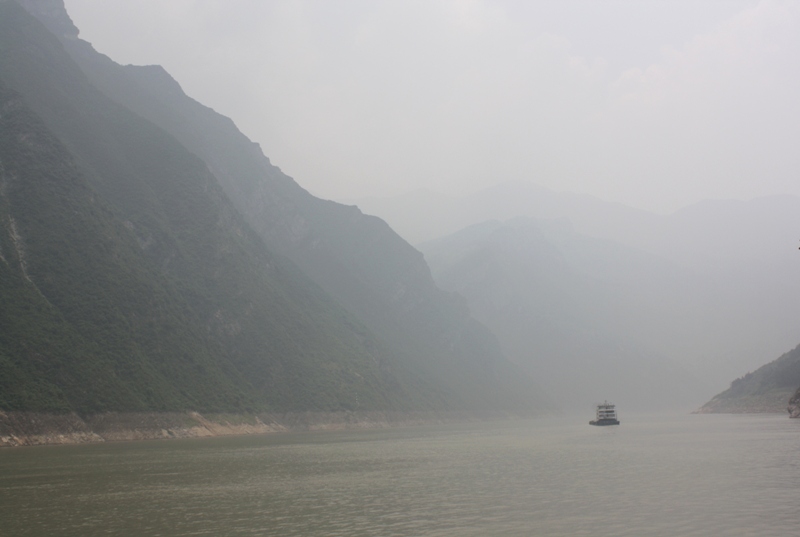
<point>20,428</point>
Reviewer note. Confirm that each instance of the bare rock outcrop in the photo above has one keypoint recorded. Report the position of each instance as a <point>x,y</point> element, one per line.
<point>794,405</point>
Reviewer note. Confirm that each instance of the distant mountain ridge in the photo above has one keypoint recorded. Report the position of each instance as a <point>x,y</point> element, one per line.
<point>583,313</point>
<point>437,215</point>
<point>746,250</point>
<point>701,236</point>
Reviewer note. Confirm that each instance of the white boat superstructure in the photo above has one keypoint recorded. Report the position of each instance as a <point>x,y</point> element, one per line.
<point>606,415</point>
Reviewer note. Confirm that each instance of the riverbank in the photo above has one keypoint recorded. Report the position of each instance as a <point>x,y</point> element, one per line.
<point>772,401</point>
<point>31,428</point>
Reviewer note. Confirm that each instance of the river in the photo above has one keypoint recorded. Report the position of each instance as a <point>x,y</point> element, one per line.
<point>668,475</point>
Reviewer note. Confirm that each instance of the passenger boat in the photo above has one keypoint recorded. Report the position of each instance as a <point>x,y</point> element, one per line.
<point>606,415</point>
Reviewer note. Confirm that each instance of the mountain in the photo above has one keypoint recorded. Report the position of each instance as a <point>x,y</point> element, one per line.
<point>586,314</point>
<point>745,250</point>
<point>770,388</point>
<point>134,254</point>
<point>356,258</point>
<point>423,215</point>
<point>136,283</point>
<point>88,324</point>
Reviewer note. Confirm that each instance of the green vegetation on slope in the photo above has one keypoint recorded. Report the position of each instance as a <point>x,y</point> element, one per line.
<point>767,389</point>
<point>355,258</point>
<point>77,295</point>
<point>134,284</point>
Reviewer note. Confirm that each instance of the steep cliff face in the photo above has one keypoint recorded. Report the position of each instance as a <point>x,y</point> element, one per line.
<point>354,257</point>
<point>51,13</point>
<point>130,281</point>
<point>135,283</point>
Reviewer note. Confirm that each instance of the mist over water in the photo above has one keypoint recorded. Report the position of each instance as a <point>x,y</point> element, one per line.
<point>657,475</point>
<point>327,308</point>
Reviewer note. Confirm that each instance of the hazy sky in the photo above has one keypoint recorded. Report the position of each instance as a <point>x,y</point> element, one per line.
<point>655,104</point>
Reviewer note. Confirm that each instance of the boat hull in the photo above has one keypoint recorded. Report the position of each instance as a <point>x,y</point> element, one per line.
<point>604,422</point>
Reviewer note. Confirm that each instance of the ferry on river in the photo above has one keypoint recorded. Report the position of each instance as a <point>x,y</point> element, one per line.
<point>606,415</point>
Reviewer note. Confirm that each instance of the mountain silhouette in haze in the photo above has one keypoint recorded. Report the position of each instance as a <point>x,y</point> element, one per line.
<point>586,314</point>
<point>742,255</point>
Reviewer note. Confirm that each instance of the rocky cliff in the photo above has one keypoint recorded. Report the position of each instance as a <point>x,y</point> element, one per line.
<point>355,258</point>
<point>131,282</point>
<point>794,405</point>
<point>143,271</point>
